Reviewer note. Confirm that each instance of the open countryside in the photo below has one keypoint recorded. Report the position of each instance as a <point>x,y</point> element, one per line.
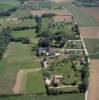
<point>49,49</point>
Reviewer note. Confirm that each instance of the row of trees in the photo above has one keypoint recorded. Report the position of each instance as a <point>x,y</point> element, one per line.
<point>5,37</point>
<point>7,12</point>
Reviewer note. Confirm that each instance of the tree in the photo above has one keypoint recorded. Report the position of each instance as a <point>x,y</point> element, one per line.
<point>22,1</point>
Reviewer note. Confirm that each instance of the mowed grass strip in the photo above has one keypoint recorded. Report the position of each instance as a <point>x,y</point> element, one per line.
<point>17,56</point>
<point>35,83</point>
<point>75,96</point>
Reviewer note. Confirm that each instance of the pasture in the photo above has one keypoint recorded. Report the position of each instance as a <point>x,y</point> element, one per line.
<point>17,56</point>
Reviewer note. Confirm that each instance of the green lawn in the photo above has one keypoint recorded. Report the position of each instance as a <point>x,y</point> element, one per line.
<point>92,46</point>
<point>17,56</point>
<point>35,83</point>
<point>75,96</point>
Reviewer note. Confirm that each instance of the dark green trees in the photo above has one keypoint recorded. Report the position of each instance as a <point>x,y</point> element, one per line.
<point>5,37</point>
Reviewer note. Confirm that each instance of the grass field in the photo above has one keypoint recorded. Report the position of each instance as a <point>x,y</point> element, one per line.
<point>10,2</point>
<point>59,97</point>
<point>35,83</point>
<point>4,6</point>
<point>17,56</point>
<point>24,33</point>
<point>92,47</point>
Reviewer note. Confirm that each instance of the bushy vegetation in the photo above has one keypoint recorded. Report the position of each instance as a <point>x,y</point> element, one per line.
<point>7,12</point>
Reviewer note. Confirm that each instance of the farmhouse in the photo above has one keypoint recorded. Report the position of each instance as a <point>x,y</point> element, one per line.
<point>56,80</point>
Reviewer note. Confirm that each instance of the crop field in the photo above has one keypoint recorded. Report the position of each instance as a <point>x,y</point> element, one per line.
<point>82,18</point>
<point>89,32</point>
<point>17,56</point>
<point>93,11</point>
<point>92,46</point>
<point>94,81</point>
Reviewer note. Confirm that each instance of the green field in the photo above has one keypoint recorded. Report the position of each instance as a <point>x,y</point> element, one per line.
<point>4,6</point>
<point>10,2</point>
<point>24,33</point>
<point>35,83</point>
<point>82,18</point>
<point>17,56</point>
<point>59,97</point>
<point>92,46</point>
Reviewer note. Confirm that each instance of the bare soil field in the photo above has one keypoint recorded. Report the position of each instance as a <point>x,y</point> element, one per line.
<point>93,90</point>
<point>89,32</point>
<point>57,12</point>
<point>93,11</point>
<point>62,18</point>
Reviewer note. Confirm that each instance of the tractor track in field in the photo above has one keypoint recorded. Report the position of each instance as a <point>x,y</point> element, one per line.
<point>21,78</point>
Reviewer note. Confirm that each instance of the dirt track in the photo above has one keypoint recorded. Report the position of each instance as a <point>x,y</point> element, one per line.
<point>21,80</point>
<point>93,90</point>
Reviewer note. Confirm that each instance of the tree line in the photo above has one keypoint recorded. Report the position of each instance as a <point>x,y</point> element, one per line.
<point>5,37</point>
